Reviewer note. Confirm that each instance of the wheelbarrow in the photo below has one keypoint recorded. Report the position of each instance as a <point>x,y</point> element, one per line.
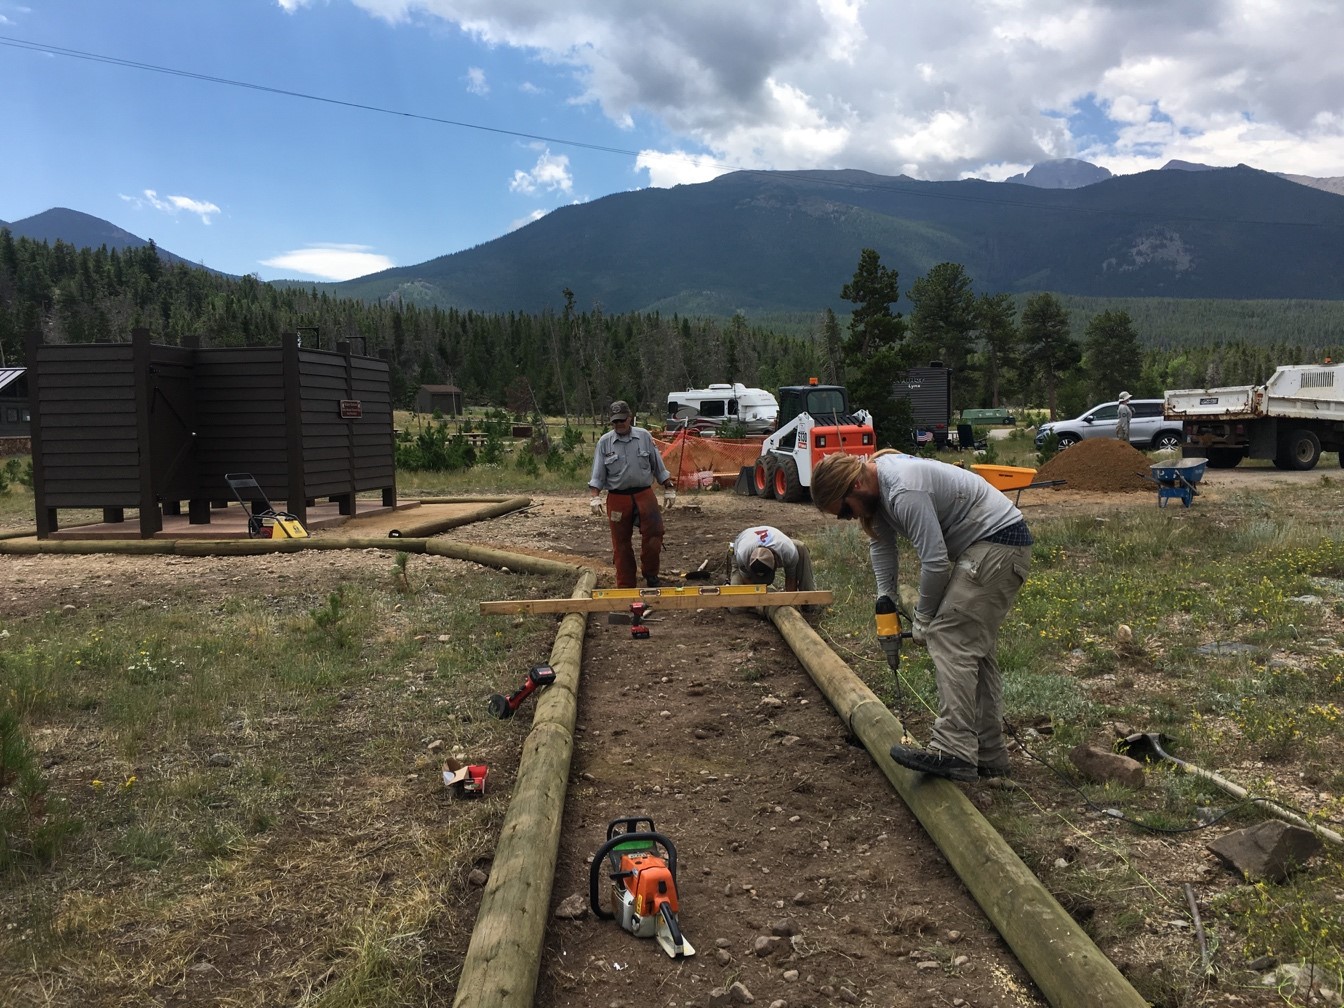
<point>1177,479</point>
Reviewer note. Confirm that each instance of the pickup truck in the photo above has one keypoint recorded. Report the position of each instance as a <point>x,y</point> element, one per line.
<point>1290,419</point>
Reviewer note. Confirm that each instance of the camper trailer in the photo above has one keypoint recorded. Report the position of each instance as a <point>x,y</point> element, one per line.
<point>709,408</point>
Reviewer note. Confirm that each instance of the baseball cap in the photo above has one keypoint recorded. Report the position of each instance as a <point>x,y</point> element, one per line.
<point>620,410</point>
<point>761,564</point>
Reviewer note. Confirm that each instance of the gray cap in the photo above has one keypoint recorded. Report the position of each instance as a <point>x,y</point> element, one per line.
<point>620,410</point>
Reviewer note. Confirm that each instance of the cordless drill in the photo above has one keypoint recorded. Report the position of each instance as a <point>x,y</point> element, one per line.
<point>503,707</point>
<point>889,631</point>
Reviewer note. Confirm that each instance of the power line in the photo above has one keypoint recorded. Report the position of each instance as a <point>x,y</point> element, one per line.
<point>795,175</point>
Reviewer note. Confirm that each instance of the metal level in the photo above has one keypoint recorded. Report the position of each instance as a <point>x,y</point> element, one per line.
<point>616,599</point>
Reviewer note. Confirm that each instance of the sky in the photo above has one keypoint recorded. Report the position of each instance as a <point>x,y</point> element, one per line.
<point>329,139</point>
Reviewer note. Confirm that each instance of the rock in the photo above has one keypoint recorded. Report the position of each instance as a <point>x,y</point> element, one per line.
<point>848,996</point>
<point>1269,850</point>
<point>478,877</point>
<point>791,975</point>
<point>766,945</point>
<point>722,957</point>
<point>1309,982</point>
<point>1103,767</point>
<point>573,907</point>
<point>785,927</point>
<point>739,993</point>
<point>436,746</point>
<point>220,759</point>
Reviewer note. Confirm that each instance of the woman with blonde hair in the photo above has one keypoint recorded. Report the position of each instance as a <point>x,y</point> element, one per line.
<point>974,551</point>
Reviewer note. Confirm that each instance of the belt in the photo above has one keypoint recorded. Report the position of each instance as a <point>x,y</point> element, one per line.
<point>1016,534</point>
<point>629,491</point>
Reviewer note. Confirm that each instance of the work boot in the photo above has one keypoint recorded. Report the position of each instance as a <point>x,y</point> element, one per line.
<point>989,772</point>
<point>935,763</point>
<point>654,582</point>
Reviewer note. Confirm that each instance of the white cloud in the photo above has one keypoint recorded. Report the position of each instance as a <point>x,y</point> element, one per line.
<point>173,205</point>
<point>476,82</point>
<point>331,261</point>
<point>941,90</point>
<point>672,168</point>
<point>549,174</point>
<point>535,215</point>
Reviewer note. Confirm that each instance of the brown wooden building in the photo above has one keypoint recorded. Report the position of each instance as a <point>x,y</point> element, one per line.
<point>141,425</point>
<point>447,399</point>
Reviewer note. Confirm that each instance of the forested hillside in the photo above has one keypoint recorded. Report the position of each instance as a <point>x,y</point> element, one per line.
<point>573,360</point>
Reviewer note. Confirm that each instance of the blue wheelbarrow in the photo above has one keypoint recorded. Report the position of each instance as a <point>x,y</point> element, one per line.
<point>1177,479</point>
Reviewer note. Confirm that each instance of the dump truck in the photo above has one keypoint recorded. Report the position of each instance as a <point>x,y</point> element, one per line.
<point>814,421</point>
<point>1293,417</point>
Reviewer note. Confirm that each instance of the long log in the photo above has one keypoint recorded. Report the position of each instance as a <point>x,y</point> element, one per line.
<point>126,547</point>
<point>657,602</point>
<point>429,527</point>
<point>487,557</point>
<point>1067,967</point>
<point>366,542</point>
<point>504,956</point>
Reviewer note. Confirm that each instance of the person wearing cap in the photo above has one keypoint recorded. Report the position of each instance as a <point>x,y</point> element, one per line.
<point>974,551</point>
<point>1124,412</point>
<point>762,550</point>
<point>626,464</point>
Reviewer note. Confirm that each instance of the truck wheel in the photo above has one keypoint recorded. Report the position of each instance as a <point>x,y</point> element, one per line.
<point>788,487</point>
<point>1224,458</point>
<point>1301,450</point>
<point>765,477</point>
<point>1167,440</point>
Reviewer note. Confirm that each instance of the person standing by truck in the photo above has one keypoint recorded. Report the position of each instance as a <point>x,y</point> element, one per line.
<point>1124,412</point>
<point>626,464</point>
<point>974,551</point>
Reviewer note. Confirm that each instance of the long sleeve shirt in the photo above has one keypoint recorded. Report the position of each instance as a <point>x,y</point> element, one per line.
<point>941,509</point>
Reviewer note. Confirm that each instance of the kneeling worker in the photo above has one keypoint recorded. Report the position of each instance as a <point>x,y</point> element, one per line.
<point>761,550</point>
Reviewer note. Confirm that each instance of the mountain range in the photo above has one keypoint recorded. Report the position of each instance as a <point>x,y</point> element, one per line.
<point>787,241</point>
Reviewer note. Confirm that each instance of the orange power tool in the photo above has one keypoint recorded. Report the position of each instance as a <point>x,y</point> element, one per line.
<point>642,866</point>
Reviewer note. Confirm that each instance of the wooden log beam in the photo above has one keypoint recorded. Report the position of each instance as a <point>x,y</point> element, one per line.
<point>487,557</point>
<point>504,955</point>
<point>433,526</point>
<point>658,602</point>
<point>1067,967</point>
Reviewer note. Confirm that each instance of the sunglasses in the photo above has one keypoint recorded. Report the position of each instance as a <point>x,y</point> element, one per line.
<point>846,512</point>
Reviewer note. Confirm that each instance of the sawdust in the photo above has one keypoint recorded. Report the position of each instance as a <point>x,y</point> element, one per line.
<point>1102,465</point>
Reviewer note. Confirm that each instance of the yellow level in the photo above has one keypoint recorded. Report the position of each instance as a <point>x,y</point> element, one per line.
<point>616,599</point>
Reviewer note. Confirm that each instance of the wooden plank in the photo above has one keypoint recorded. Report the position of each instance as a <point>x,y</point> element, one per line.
<point>659,602</point>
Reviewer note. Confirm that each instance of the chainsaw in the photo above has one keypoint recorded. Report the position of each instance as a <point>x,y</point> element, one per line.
<point>644,883</point>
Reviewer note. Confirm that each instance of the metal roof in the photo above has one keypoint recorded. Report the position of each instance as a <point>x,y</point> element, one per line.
<point>11,374</point>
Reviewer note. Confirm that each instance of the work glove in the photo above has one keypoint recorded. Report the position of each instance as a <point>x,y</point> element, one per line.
<point>669,497</point>
<point>919,630</point>
<point>595,504</point>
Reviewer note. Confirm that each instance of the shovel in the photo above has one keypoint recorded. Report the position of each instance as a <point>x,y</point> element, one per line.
<point>1147,746</point>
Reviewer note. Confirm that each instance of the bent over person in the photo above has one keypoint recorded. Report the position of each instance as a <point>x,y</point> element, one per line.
<point>974,552</point>
<point>762,550</point>
<point>626,464</point>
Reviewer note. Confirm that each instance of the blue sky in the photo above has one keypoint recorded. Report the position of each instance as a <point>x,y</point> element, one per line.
<point>335,138</point>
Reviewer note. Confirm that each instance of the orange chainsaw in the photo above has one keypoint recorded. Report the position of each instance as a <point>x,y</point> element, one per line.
<point>644,883</point>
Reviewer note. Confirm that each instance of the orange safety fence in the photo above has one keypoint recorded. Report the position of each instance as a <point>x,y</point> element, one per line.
<point>703,462</point>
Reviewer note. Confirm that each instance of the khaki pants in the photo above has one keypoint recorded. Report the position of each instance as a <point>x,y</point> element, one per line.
<point>962,640</point>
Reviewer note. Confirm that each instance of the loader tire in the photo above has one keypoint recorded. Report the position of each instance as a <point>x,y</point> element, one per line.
<point>788,487</point>
<point>765,477</point>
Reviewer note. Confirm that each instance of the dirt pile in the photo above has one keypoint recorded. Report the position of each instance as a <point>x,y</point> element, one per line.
<point>1102,464</point>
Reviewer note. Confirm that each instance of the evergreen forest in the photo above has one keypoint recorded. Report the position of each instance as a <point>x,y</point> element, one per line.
<point>1035,351</point>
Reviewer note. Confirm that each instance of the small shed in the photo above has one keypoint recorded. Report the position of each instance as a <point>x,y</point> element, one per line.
<point>15,414</point>
<point>140,425</point>
<point>447,399</point>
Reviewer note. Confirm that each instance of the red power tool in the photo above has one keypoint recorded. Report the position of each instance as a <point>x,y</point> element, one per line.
<point>644,883</point>
<point>638,610</point>
<point>504,707</point>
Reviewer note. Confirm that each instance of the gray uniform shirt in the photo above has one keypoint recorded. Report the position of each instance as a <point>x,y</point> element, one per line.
<point>941,509</point>
<point>773,539</point>
<point>627,462</point>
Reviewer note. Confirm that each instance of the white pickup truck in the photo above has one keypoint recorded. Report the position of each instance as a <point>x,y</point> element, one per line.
<point>1290,419</point>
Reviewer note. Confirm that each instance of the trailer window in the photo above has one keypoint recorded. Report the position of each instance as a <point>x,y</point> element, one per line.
<point>713,408</point>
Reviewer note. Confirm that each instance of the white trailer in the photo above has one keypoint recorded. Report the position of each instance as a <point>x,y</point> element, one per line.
<point>1290,419</point>
<point>707,409</point>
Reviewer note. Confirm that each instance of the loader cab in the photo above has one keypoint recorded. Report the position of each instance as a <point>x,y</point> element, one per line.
<point>817,400</point>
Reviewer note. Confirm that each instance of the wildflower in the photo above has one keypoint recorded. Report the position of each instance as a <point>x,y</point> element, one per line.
<point>96,784</point>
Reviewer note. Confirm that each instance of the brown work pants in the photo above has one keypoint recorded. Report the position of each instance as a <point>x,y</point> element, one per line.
<point>962,640</point>
<point>621,510</point>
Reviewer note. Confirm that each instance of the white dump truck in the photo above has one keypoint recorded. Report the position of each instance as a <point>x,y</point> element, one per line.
<point>1290,419</point>
<point>707,409</point>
